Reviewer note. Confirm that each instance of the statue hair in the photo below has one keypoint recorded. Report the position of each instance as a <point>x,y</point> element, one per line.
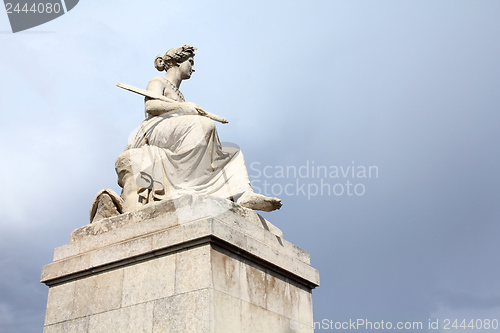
<point>174,57</point>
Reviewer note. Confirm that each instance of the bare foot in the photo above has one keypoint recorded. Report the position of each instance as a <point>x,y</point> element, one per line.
<point>255,201</point>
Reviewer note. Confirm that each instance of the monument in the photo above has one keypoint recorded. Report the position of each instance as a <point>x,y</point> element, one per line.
<point>181,249</point>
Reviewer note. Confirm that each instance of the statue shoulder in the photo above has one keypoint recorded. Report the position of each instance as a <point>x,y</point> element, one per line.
<point>157,85</point>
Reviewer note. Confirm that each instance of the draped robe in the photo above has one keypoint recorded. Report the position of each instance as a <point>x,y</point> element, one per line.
<point>178,153</point>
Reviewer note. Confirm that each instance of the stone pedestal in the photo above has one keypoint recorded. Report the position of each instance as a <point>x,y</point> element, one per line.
<point>192,264</point>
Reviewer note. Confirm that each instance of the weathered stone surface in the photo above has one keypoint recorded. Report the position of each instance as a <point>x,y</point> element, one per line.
<point>188,312</point>
<point>108,291</point>
<point>227,313</point>
<point>106,204</point>
<point>258,319</point>
<point>60,303</point>
<point>131,319</point>
<point>209,274</point>
<point>169,213</point>
<point>226,272</point>
<point>149,280</point>
<point>126,241</point>
<point>80,325</point>
<point>120,251</point>
<point>192,271</point>
<point>279,299</point>
<point>84,297</point>
<point>253,284</point>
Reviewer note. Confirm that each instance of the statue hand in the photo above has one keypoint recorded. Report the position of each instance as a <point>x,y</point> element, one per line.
<point>196,108</point>
<point>190,108</point>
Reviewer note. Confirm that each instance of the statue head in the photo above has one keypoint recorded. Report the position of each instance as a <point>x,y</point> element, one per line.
<point>174,57</point>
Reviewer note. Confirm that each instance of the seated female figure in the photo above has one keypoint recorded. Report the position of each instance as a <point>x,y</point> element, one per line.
<point>176,150</point>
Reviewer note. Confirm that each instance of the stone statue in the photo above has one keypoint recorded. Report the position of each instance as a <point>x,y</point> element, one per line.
<point>176,150</point>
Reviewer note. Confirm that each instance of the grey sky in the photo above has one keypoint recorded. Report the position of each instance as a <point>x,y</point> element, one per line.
<point>408,86</point>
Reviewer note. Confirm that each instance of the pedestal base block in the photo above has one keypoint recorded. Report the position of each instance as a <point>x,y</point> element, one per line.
<point>192,264</point>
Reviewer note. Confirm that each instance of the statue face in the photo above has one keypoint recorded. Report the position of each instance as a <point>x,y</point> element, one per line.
<point>187,68</point>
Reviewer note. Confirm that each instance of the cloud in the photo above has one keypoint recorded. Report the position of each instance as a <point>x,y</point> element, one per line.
<point>459,300</point>
<point>6,316</point>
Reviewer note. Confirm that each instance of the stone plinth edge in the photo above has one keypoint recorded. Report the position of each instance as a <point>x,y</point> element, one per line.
<point>172,225</point>
<point>178,210</point>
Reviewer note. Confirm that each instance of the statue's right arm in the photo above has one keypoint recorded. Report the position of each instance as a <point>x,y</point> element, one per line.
<point>157,107</point>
